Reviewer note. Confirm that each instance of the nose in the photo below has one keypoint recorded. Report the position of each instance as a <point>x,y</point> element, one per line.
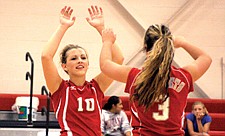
<point>80,60</point>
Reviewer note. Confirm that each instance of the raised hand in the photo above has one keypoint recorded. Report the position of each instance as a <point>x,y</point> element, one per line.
<point>96,17</point>
<point>65,16</point>
<point>108,36</point>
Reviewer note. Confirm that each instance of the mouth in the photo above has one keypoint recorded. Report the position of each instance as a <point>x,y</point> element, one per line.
<point>80,67</point>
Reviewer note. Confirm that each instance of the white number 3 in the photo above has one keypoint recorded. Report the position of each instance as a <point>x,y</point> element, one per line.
<point>90,104</point>
<point>164,107</point>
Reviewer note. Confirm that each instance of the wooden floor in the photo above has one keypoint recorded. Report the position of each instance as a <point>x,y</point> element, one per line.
<point>28,132</point>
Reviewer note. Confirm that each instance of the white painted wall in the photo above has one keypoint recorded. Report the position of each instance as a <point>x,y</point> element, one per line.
<point>25,26</point>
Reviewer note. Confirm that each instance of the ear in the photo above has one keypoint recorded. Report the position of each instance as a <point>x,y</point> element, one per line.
<point>113,105</point>
<point>64,66</point>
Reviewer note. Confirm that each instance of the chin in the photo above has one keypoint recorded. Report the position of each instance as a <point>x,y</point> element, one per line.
<point>81,73</point>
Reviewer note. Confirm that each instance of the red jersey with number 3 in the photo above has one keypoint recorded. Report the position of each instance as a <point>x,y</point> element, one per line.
<point>162,118</point>
<point>78,109</point>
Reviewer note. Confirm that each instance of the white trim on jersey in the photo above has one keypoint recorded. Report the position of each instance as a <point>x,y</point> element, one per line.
<point>135,111</point>
<point>69,133</point>
<point>184,76</point>
<point>136,114</point>
<point>99,109</point>
<point>183,115</point>
<point>182,120</point>
<point>134,81</point>
<point>57,111</point>
<point>65,110</point>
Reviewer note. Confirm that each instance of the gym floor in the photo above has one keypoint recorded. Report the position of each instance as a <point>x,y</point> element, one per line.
<point>28,132</point>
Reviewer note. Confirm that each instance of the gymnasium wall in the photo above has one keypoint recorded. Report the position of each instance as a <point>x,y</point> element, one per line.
<point>27,25</point>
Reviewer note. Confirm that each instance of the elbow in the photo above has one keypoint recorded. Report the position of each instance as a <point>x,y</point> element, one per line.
<point>46,56</point>
<point>120,61</point>
<point>208,59</point>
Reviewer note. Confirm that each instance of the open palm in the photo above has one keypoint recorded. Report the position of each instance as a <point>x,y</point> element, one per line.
<point>96,17</point>
<point>65,17</point>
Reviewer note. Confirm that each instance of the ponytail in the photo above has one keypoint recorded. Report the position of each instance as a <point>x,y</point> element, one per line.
<point>152,83</point>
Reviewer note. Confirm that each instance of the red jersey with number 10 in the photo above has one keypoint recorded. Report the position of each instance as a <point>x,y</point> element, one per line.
<point>78,109</point>
<point>162,118</point>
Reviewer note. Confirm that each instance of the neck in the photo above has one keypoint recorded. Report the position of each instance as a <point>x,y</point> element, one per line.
<point>112,110</point>
<point>78,81</point>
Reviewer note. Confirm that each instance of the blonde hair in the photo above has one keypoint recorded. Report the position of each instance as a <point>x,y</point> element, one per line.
<point>202,104</point>
<point>152,83</point>
<point>63,54</point>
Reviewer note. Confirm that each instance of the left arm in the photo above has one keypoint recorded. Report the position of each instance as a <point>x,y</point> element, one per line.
<point>108,67</point>
<point>96,20</point>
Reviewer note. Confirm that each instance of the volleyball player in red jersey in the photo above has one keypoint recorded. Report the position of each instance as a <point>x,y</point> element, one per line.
<point>77,102</point>
<point>158,91</point>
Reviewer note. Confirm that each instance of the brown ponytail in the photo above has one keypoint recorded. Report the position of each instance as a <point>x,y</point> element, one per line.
<point>152,83</point>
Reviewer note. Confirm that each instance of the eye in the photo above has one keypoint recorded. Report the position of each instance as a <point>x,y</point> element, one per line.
<point>83,58</point>
<point>74,58</point>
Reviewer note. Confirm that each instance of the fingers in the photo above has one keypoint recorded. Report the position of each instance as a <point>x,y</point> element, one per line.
<point>88,19</point>
<point>108,32</point>
<point>108,36</point>
<point>73,18</point>
<point>66,11</point>
<point>95,10</point>
<point>101,11</point>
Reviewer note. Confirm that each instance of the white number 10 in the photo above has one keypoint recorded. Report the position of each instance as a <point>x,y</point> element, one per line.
<point>164,107</point>
<point>90,105</point>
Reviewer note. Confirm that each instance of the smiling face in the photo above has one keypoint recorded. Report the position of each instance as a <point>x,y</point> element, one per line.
<point>76,62</point>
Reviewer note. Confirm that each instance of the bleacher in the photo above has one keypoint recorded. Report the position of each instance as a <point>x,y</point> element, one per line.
<point>216,108</point>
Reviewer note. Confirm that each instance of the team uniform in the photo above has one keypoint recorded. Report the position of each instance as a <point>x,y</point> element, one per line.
<point>162,118</point>
<point>78,108</point>
<point>206,119</point>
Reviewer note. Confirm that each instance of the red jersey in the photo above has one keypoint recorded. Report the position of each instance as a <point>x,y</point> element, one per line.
<point>78,108</point>
<point>162,118</point>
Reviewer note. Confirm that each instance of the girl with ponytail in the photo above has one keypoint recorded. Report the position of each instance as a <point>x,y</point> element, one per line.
<point>158,91</point>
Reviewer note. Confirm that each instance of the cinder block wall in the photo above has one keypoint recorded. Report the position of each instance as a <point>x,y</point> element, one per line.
<point>27,25</point>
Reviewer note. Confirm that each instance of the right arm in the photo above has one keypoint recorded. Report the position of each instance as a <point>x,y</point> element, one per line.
<point>126,128</point>
<point>103,123</point>
<point>202,59</point>
<point>51,74</point>
<point>202,128</point>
